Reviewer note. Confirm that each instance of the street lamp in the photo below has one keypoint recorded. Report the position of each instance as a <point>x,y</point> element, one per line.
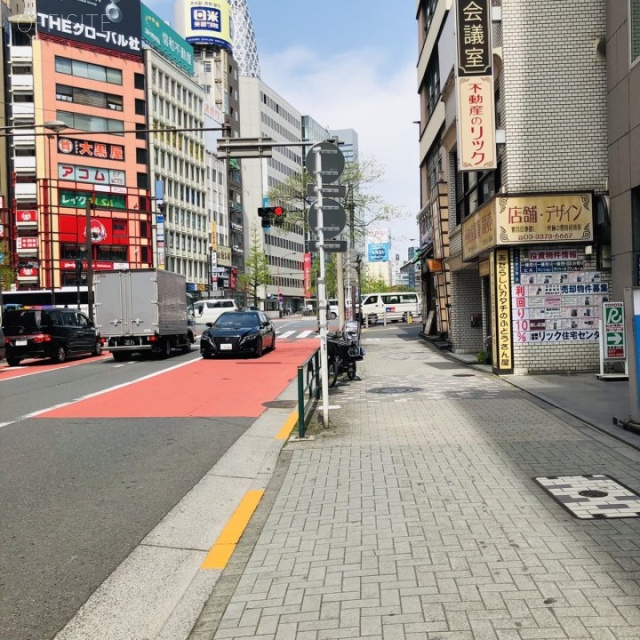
<point>55,127</point>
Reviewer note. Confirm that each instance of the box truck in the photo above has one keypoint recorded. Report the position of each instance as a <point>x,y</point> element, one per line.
<point>141,311</point>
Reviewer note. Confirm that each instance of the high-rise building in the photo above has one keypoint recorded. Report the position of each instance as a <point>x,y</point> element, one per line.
<point>177,161</point>
<point>85,90</point>
<point>245,49</point>
<point>348,139</point>
<point>265,113</point>
<point>510,180</point>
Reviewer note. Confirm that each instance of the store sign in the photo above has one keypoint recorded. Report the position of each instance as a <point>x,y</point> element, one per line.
<point>91,175</point>
<point>78,200</point>
<point>27,246</point>
<point>91,149</point>
<point>223,255</point>
<point>503,311</point>
<point>104,24</point>
<point>556,299</point>
<point>474,83</point>
<point>108,231</point>
<point>534,218</point>
<point>161,37</point>
<point>26,218</point>
<point>479,232</point>
<point>613,313</point>
<point>27,273</point>
<point>96,265</point>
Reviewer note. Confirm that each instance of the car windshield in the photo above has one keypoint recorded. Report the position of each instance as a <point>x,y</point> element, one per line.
<point>237,320</point>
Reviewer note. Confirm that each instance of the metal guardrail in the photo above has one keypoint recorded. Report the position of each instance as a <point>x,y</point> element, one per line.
<point>308,389</point>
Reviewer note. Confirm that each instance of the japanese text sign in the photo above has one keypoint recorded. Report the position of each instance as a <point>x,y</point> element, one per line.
<point>105,24</point>
<point>474,37</point>
<point>91,149</point>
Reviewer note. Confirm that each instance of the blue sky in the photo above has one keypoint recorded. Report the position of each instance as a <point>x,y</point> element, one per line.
<point>350,64</point>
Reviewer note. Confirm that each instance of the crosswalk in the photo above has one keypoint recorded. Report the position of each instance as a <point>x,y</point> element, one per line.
<point>296,335</point>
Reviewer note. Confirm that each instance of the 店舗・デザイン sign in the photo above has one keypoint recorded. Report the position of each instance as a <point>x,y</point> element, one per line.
<point>106,24</point>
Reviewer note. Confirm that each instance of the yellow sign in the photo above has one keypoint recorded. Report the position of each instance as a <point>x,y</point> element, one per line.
<point>502,310</point>
<point>554,217</point>
<point>476,123</point>
<point>206,22</point>
<point>223,256</point>
<point>479,231</point>
<point>214,237</point>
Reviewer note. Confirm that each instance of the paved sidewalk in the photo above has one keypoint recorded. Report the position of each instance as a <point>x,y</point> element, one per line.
<point>416,515</point>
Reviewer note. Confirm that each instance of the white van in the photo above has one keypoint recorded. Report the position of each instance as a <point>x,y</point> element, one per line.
<point>393,306</point>
<point>210,310</point>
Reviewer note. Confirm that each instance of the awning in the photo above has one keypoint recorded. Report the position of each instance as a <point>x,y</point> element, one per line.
<point>424,252</point>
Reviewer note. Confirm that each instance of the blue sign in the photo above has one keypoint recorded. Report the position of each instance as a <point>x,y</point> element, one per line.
<point>378,252</point>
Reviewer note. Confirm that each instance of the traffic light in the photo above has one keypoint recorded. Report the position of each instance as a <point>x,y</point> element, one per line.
<point>271,215</point>
<point>265,214</point>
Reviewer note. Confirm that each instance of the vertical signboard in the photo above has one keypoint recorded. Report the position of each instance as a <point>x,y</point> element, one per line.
<point>502,308</point>
<point>613,314</point>
<point>307,275</point>
<point>474,84</point>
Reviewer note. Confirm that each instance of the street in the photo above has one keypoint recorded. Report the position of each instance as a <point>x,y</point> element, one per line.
<point>96,453</point>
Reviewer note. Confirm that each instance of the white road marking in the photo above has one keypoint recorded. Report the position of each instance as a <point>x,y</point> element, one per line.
<point>304,334</point>
<point>286,334</point>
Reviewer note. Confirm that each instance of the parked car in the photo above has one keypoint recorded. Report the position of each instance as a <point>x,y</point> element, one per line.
<point>238,332</point>
<point>2,347</point>
<point>48,332</point>
<point>210,310</point>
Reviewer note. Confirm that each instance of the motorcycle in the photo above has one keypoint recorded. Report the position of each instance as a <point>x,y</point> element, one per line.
<point>343,352</point>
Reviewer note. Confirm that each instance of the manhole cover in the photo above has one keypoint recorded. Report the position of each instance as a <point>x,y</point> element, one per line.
<point>593,497</point>
<point>280,404</point>
<point>392,390</point>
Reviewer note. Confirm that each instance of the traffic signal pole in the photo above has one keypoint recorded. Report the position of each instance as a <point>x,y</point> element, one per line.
<point>322,292</point>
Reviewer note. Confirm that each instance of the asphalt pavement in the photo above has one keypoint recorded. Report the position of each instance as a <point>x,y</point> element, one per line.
<point>444,502</point>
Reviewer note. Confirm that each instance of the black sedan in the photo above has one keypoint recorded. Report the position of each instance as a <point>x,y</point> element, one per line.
<point>238,332</point>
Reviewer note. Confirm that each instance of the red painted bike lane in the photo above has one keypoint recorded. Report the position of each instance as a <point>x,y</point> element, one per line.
<point>234,387</point>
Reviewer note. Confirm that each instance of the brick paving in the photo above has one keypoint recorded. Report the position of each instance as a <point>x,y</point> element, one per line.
<point>416,516</point>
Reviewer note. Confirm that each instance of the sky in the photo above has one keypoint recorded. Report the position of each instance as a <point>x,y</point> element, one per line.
<point>349,64</point>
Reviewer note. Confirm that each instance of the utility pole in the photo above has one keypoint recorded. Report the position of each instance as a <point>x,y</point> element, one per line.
<point>353,288</point>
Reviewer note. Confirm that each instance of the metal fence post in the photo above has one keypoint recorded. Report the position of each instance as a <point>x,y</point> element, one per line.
<point>301,403</point>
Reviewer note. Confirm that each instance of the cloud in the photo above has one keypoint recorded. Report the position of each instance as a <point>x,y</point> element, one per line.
<point>365,90</point>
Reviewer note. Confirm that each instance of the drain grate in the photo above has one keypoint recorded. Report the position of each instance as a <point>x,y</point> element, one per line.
<point>593,497</point>
<point>391,390</point>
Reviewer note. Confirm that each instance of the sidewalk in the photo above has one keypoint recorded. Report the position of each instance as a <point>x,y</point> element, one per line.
<point>417,514</point>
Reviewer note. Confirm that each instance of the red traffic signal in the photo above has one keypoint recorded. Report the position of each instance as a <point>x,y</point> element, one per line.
<point>278,211</point>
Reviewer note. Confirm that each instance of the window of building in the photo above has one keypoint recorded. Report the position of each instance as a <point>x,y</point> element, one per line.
<point>81,69</point>
<point>138,80</point>
<point>84,122</point>
<point>79,95</point>
<point>141,156</point>
<point>634,21</point>
<point>141,132</point>
<point>140,107</point>
<point>142,180</point>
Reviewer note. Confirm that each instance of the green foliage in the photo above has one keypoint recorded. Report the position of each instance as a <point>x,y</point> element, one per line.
<point>7,274</point>
<point>256,267</point>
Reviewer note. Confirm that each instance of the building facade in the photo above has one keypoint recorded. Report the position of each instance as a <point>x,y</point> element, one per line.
<point>264,113</point>
<point>511,254</point>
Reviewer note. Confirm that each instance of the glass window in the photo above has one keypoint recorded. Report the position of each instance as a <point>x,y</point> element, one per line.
<point>635,29</point>
<point>96,72</point>
<point>114,76</point>
<point>63,65</point>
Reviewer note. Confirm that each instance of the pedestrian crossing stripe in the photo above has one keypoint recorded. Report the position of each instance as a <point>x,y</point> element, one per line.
<point>291,334</point>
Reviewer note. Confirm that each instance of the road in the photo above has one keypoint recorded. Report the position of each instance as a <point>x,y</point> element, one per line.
<point>96,453</point>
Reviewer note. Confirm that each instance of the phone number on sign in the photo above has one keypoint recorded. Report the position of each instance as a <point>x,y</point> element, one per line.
<point>544,236</point>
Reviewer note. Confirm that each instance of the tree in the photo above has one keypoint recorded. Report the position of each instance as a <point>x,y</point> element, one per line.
<point>256,267</point>
<point>7,274</point>
<point>368,207</point>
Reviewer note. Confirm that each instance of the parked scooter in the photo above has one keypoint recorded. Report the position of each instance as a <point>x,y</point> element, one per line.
<point>343,352</point>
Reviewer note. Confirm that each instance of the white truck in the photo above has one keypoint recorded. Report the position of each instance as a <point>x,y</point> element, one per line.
<point>141,311</point>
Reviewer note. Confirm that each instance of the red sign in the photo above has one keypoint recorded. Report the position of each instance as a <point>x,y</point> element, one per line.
<point>97,265</point>
<point>103,230</point>
<point>28,273</point>
<point>26,217</point>
<point>27,244</point>
<point>91,149</point>
<point>307,275</point>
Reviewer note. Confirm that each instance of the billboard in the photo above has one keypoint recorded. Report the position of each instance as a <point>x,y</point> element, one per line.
<point>103,24</point>
<point>161,37</point>
<point>378,252</point>
<point>205,22</point>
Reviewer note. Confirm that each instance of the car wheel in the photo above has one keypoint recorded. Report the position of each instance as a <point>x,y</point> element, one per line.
<point>333,315</point>
<point>207,356</point>
<point>373,319</point>
<point>60,354</point>
<point>13,362</point>
<point>273,344</point>
<point>119,356</point>
<point>258,350</point>
<point>186,348</point>
<point>97,349</point>
<point>166,348</point>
